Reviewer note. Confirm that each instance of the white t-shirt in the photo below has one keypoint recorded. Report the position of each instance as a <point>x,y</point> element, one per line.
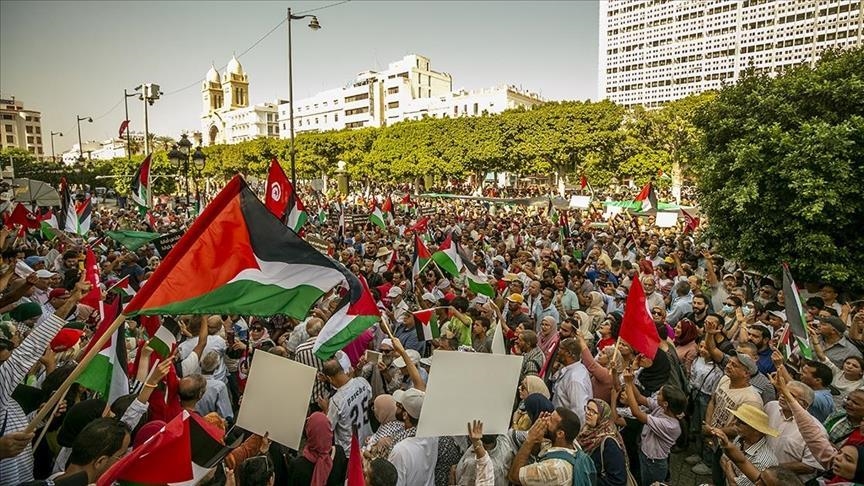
<point>214,343</point>
<point>726,398</point>
<point>789,445</point>
<point>414,459</point>
<point>348,407</point>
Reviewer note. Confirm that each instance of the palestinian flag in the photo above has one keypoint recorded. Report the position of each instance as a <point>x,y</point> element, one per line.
<point>479,283</point>
<point>48,225</point>
<point>68,218</point>
<point>106,373</point>
<point>355,475</point>
<point>648,198</point>
<point>140,186</point>
<point>184,450</point>
<point>387,208</point>
<point>447,257</point>
<point>237,258</point>
<point>377,218</point>
<point>552,213</point>
<point>427,324</point>
<point>795,314</point>
<point>122,287</point>
<point>132,240</point>
<point>564,221</point>
<point>421,257</point>
<point>296,216</point>
<point>83,210</point>
<point>420,226</point>
<point>356,313</point>
<point>322,216</point>
<point>163,340</point>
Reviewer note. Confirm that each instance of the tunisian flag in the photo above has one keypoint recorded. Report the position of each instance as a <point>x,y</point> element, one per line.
<point>278,190</point>
<point>637,327</point>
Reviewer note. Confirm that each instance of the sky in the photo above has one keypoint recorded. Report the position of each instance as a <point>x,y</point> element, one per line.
<point>75,58</point>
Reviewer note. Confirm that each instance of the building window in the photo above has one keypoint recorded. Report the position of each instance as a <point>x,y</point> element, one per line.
<point>29,129</point>
<point>358,97</point>
<point>357,111</point>
<point>8,117</point>
<point>30,140</point>
<point>392,105</point>
<point>9,128</point>
<point>393,90</point>
<point>39,140</point>
<point>335,117</point>
<point>10,139</point>
<point>476,111</point>
<point>316,120</point>
<point>356,124</point>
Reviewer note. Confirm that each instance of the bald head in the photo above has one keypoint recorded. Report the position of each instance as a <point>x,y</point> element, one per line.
<point>191,388</point>
<point>314,326</point>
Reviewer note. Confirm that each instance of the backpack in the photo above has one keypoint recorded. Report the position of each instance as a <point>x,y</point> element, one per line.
<point>584,471</point>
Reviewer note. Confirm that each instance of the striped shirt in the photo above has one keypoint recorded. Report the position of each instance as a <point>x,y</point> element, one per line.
<point>304,355</point>
<point>758,454</point>
<point>18,469</point>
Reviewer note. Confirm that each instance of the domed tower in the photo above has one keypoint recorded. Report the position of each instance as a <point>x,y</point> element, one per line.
<point>211,91</point>
<point>235,86</point>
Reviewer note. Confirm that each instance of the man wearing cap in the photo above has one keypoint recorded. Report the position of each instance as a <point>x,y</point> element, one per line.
<point>381,260</point>
<point>414,458</point>
<point>398,305</point>
<point>837,348</point>
<point>41,286</point>
<point>751,426</point>
<point>732,391</point>
<point>401,365</point>
<point>406,331</point>
<point>514,314</point>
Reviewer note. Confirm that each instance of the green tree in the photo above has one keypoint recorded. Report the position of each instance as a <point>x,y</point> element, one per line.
<point>781,169</point>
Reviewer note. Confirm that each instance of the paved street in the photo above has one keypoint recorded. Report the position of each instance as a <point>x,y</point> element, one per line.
<point>681,474</point>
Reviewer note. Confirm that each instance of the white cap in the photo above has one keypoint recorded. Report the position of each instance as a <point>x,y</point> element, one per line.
<point>413,354</point>
<point>45,273</point>
<point>394,292</point>
<point>429,297</point>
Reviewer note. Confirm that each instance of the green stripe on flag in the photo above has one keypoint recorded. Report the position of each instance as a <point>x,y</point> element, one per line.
<point>344,337</point>
<point>446,263</point>
<point>97,375</point>
<point>163,342</point>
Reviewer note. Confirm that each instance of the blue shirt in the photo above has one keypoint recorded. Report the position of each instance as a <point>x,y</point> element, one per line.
<point>409,338</point>
<point>822,405</point>
<point>766,366</point>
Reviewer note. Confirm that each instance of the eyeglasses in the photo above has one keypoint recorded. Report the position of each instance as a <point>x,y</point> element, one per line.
<point>256,328</point>
<point>591,411</point>
<point>656,313</point>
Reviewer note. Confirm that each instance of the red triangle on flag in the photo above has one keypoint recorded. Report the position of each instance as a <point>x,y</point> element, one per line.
<point>91,275</point>
<point>355,464</point>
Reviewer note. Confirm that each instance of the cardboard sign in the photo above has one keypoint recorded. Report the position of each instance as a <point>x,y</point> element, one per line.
<point>666,219</point>
<point>489,399</point>
<point>580,202</point>
<point>318,243</point>
<point>166,242</point>
<point>277,398</point>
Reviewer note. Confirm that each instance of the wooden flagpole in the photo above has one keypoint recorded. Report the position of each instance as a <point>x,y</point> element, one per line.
<point>61,392</point>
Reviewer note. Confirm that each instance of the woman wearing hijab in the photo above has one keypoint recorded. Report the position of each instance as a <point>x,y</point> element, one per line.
<point>529,409</point>
<point>385,409</point>
<point>530,384</point>
<point>600,439</point>
<point>595,308</point>
<point>321,463</point>
<point>685,343</point>
<point>547,339</point>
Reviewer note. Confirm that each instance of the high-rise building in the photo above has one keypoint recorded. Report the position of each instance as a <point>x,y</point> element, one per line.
<point>227,116</point>
<point>655,51</point>
<point>19,127</point>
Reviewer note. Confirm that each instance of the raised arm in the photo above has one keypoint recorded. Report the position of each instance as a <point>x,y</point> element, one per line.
<point>413,373</point>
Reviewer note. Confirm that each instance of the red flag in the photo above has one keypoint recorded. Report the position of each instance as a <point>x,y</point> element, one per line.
<point>91,275</point>
<point>123,127</point>
<point>406,199</point>
<point>583,181</point>
<point>278,190</point>
<point>394,259</point>
<point>692,222</point>
<point>387,207</point>
<point>355,464</point>
<point>420,225</point>
<point>637,327</point>
<point>22,216</point>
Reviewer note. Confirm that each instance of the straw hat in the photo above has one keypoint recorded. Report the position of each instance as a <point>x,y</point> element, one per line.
<point>754,417</point>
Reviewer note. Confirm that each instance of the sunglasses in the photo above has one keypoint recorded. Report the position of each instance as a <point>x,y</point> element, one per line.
<point>256,328</point>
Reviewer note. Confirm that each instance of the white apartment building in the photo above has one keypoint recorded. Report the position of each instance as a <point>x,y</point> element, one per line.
<point>367,100</point>
<point>655,51</point>
<point>105,150</point>
<point>19,127</point>
<point>466,103</point>
<point>227,116</point>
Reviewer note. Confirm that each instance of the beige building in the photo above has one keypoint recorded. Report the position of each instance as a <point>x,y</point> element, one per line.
<point>227,116</point>
<point>19,127</point>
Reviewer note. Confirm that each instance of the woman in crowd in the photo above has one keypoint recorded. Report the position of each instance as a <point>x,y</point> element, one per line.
<point>321,463</point>
<point>600,439</point>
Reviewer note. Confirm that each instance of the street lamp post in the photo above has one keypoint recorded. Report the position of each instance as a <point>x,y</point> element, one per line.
<point>198,158</point>
<point>126,96</point>
<point>180,154</point>
<point>149,93</point>
<point>80,145</point>
<point>54,157</point>
<point>314,25</point>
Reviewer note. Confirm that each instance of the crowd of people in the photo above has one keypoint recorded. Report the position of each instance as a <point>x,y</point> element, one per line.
<point>723,390</point>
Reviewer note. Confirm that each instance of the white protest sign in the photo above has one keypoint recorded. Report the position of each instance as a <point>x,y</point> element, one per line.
<point>666,220</point>
<point>612,211</point>
<point>277,398</point>
<point>469,386</point>
<point>580,202</point>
